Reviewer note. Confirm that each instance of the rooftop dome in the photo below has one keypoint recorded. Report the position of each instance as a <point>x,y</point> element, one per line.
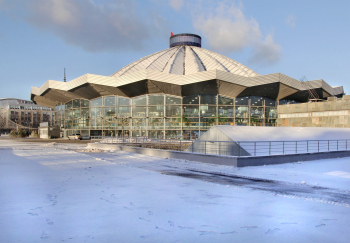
<point>185,39</point>
<point>185,56</point>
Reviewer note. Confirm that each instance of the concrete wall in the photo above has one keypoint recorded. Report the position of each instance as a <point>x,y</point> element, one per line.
<point>225,160</point>
<point>205,158</point>
<point>310,113</point>
<point>289,158</point>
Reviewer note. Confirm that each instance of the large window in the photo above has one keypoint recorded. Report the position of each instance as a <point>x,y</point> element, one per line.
<point>96,102</point>
<point>69,105</point>
<point>173,123</point>
<point>191,100</point>
<point>124,111</point>
<point>257,101</point>
<point>123,123</point>
<point>225,101</point>
<point>242,101</point>
<point>191,110</point>
<point>208,99</point>
<point>158,114</point>
<point>242,111</point>
<point>141,100</point>
<point>76,103</point>
<point>156,100</point>
<point>257,112</point>
<point>173,111</point>
<point>225,111</point>
<point>207,111</point>
<point>155,123</point>
<point>156,111</point>
<point>109,101</point>
<point>109,112</point>
<point>139,123</point>
<point>139,111</point>
<point>123,101</point>
<point>171,100</point>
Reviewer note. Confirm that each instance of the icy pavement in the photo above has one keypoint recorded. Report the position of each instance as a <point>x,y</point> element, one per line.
<point>66,193</point>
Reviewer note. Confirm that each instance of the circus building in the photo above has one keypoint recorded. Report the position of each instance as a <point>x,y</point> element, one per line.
<point>178,92</point>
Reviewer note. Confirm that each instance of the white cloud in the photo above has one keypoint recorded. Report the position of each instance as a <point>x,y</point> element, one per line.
<point>108,26</point>
<point>266,52</point>
<point>3,4</point>
<point>227,29</point>
<point>176,4</point>
<point>57,12</point>
<point>291,21</point>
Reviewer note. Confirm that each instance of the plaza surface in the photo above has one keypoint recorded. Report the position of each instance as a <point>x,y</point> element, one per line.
<point>54,192</point>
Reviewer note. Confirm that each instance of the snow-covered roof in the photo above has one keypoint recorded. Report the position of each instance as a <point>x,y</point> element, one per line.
<point>181,70</point>
<point>184,60</point>
<point>251,133</point>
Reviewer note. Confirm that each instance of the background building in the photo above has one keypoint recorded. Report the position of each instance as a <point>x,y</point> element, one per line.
<point>26,114</point>
<point>180,91</point>
<point>335,112</point>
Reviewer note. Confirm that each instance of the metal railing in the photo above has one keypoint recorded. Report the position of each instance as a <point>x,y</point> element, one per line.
<point>267,148</point>
<point>231,148</point>
<point>145,142</point>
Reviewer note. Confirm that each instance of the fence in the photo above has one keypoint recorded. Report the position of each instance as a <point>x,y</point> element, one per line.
<point>231,148</point>
<point>267,148</point>
<point>145,142</point>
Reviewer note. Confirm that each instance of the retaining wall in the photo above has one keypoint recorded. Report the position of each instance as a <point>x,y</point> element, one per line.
<point>225,160</point>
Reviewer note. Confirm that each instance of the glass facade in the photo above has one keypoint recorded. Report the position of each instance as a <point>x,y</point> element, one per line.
<point>162,115</point>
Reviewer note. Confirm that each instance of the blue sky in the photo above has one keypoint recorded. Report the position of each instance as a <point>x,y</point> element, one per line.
<point>39,38</point>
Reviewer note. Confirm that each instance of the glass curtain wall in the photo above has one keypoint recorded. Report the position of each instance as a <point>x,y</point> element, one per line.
<point>160,115</point>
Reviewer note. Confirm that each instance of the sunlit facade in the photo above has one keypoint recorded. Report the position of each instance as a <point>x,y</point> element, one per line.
<point>160,115</point>
<point>23,113</point>
<point>178,92</point>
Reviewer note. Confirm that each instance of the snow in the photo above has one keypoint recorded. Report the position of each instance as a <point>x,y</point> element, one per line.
<point>68,193</point>
<point>251,133</point>
<point>263,141</point>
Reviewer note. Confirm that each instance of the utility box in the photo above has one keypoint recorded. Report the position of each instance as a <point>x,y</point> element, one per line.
<point>45,131</point>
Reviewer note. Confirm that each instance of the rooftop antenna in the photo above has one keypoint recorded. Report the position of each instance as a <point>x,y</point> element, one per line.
<point>64,78</point>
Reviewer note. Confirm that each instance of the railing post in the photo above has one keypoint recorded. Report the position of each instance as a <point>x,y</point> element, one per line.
<point>219,147</point>
<point>296,147</point>
<point>337,145</point>
<point>328,145</point>
<point>205,147</point>
<point>239,150</point>
<point>180,146</point>
<point>270,148</point>
<point>192,147</point>
<point>254,148</point>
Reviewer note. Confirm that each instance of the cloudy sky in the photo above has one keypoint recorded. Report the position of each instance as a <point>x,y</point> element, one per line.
<point>39,38</point>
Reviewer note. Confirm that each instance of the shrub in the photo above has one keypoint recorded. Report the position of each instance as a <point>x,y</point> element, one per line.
<point>18,134</point>
<point>13,133</point>
<point>21,133</point>
<point>34,133</point>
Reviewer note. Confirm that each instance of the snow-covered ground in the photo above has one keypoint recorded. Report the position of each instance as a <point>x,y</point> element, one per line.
<point>66,193</point>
